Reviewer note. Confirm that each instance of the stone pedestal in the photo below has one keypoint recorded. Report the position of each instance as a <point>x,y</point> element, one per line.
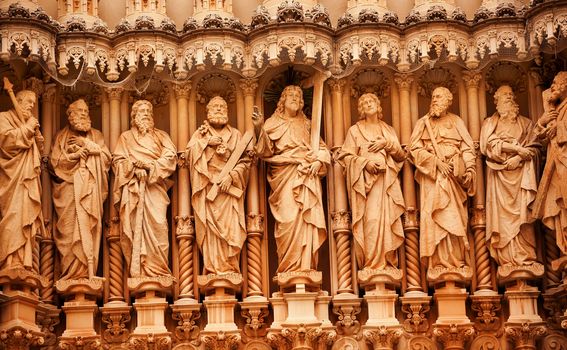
<point>451,308</point>
<point>150,306</point>
<point>522,298</point>
<point>220,301</point>
<point>18,308</point>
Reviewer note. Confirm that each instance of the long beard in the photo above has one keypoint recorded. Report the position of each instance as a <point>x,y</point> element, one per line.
<point>80,124</point>
<point>508,109</point>
<point>435,110</point>
<point>144,126</point>
<point>217,119</point>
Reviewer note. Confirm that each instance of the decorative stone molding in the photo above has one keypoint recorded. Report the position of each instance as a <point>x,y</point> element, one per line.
<point>187,329</point>
<point>221,341</point>
<point>341,221</point>
<point>453,336</point>
<point>149,342</point>
<point>524,336</point>
<point>80,343</point>
<point>486,308</point>
<point>115,318</point>
<point>301,337</point>
<point>347,307</point>
<point>383,338</point>
<point>255,316</point>
<point>416,305</point>
<point>20,338</point>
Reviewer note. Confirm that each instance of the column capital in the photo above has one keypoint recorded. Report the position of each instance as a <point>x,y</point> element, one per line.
<point>249,86</point>
<point>404,80</point>
<point>49,93</point>
<point>35,85</point>
<point>182,90</point>
<point>472,79</point>
<point>337,85</point>
<point>114,93</point>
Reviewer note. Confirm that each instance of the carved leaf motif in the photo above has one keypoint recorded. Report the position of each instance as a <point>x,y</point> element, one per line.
<point>19,41</point>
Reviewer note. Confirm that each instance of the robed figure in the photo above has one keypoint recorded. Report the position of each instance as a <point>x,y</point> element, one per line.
<point>372,157</point>
<point>294,173</point>
<point>443,153</point>
<point>80,162</point>
<point>219,219</point>
<point>21,217</point>
<point>509,144</point>
<point>144,160</point>
<point>551,201</point>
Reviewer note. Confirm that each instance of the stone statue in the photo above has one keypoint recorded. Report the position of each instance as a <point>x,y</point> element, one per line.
<point>219,217</point>
<point>21,218</point>
<point>551,202</point>
<point>508,142</point>
<point>443,153</point>
<point>80,162</point>
<point>143,161</point>
<point>372,157</point>
<point>293,175</point>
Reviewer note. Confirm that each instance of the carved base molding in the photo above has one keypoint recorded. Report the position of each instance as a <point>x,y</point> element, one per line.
<point>116,316</point>
<point>522,302</point>
<point>486,304</point>
<point>186,312</point>
<point>524,335</point>
<point>346,306</point>
<point>220,313</point>
<point>453,336</point>
<point>254,309</point>
<point>221,340</point>
<point>382,337</point>
<point>301,337</point>
<point>150,341</point>
<point>381,308</point>
<point>19,338</point>
<point>415,306</point>
<point>80,343</point>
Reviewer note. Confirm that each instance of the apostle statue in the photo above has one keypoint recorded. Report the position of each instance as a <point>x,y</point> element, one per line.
<point>144,160</point>
<point>372,157</point>
<point>508,142</point>
<point>443,153</point>
<point>80,162</point>
<point>220,224</point>
<point>293,174</point>
<point>551,202</point>
<point>21,218</point>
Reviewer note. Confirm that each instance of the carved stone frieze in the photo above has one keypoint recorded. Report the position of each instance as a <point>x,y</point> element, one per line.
<point>115,320</point>
<point>347,311</point>
<point>20,338</point>
<point>290,11</point>
<point>256,318</point>
<point>486,308</point>
<point>187,329</point>
<point>221,340</point>
<point>301,337</point>
<point>383,338</point>
<point>416,310</point>
<point>80,343</point>
<point>453,336</point>
<point>524,336</point>
<point>149,342</point>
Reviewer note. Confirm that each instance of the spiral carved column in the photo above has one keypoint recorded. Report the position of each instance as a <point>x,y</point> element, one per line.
<point>255,228</point>
<point>185,237</point>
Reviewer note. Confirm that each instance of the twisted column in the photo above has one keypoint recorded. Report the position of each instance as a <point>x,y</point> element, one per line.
<point>411,223</point>
<point>116,263</point>
<point>478,221</point>
<point>185,232</point>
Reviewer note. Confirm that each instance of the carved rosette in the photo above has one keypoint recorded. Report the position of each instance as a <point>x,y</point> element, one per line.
<point>302,337</point>
<point>20,338</point>
<point>149,342</point>
<point>221,341</point>
<point>416,316</point>
<point>80,343</point>
<point>187,329</point>
<point>453,336</point>
<point>383,338</point>
<point>115,319</point>
<point>347,323</point>
<point>486,309</point>
<point>524,336</point>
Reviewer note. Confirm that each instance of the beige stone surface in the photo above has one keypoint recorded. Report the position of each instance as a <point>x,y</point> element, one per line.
<point>220,223</point>
<point>443,154</point>
<point>143,161</point>
<point>372,157</point>
<point>80,162</point>
<point>294,171</point>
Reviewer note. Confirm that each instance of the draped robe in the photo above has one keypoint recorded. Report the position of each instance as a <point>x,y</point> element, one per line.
<point>145,244</point>
<point>295,198</point>
<point>376,200</point>
<point>79,190</point>
<point>509,193</point>
<point>21,217</point>
<point>444,218</point>
<point>220,224</point>
<point>551,201</point>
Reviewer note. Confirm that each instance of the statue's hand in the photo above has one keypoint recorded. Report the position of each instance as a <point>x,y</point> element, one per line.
<point>32,122</point>
<point>140,174</point>
<point>551,130</point>
<point>81,153</point>
<point>215,141</point>
<point>467,181</point>
<point>513,163</point>
<point>77,141</point>
<point>142,165</point>
<point>373,167</point>
<point>444,168</point>
<point>257,120</point>
<point>524,153</point>
<point>225,184</point>
<point>548,117</point>
<point>377,145</point>
<point>310,157</point>
<point>314,168</point>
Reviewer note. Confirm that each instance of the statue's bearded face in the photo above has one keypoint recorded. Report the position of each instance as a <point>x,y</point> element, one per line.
<point>79,119</point>
<point>505,103</point>
<point>440,103</point>
<point>217,113</point>
<point>144,119</point>
<point>27,103</point>
<point>293,100</point>
<point>558,88</point>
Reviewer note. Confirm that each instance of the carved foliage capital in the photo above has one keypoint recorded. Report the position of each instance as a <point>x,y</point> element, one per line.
<point>255,223</point>
<point>182,90</point>
<point>472,79</point>
<point>115,321</point>
<point>486,309</point>
<point>341,221</point>
<point>255,324</point>
<point>20,338</point>
<point>416,316</point>
<point>337,85</point>
<point>453,336</point>
<point>149,342</point>
<point>114,93</point>
<point>524,335</point>
<point>383,337</point>
<point>404,81</point>
<point>221,341</point>
<point>185,227</point>
<point>80,343</point>
<point>249,86</point>
<point>347,323</point>
<point>187,329</point>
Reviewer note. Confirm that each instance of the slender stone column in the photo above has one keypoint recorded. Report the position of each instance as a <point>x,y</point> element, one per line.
<point>255,222</point>
<point>185,232</point>
<point>105,110</point>
<point>116,265</point>
<point>47,256</point>
<point>341,226</point>
<point>411,224</point>
<point>478,219</point>
<point>124,112</point>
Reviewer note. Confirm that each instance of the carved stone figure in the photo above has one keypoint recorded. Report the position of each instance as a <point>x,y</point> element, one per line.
<point>293,175</point>
<point>443,153</point>
<point>216,149</point>
<point>508,142</point>
<point>143,161</point>
<point>80,162</point>
<point>21,218</point>
<point>372,157</point>
<point>551,201</point>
